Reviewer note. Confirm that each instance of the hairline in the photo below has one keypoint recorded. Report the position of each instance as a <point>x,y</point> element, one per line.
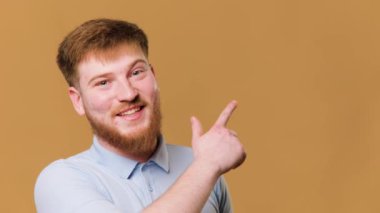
<point>101,54</point>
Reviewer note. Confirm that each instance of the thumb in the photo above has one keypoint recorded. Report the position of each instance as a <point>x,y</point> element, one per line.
<point>196,128</point>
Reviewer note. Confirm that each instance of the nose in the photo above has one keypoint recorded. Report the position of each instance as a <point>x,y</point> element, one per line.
<point>126,91</point>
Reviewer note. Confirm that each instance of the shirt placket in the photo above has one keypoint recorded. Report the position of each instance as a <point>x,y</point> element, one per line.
<point>146,173</point>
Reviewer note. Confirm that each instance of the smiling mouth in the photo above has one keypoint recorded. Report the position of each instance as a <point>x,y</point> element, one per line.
<point>130,111</point>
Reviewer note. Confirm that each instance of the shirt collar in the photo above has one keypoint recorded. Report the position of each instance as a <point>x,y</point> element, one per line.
<point>124,167</point>
<point>161,156</point>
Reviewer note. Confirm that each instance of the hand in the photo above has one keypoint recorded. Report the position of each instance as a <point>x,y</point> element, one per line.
<point>219,149</point>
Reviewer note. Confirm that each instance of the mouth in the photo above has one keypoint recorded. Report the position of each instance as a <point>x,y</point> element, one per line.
<point>131,113</point>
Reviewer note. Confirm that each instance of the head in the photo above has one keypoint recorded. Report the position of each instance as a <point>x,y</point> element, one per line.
<point>96,35</point>
<point>111,82</point>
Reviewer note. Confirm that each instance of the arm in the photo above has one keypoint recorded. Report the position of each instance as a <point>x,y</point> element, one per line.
<point>67,189</point>
<point>215,153</point>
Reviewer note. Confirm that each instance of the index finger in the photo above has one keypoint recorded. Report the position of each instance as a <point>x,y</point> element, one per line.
<point>226,114</point>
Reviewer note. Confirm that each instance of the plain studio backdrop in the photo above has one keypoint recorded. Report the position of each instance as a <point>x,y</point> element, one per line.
<point>305,73</point>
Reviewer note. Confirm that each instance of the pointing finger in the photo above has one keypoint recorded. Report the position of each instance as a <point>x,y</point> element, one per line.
<point>226,114</point>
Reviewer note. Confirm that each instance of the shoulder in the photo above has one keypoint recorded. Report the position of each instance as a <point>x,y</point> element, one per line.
<point>60,167</point>
<point>66,184</point>
<point>182,153</point>
<point>179,157</point>
<point>178,149</point>
<point>64,166</point>
<point>58,173</point>
<point>79,166</point>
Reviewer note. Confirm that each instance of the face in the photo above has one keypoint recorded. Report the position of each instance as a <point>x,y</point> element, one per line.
<point>118,93</point>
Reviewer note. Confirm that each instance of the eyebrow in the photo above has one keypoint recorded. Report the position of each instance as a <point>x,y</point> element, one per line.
<point>108,73</point>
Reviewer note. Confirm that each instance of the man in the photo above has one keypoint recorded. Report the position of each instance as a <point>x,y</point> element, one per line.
<point>129,167</point>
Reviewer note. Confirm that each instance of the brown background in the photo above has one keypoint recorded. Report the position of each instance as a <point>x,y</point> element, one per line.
<point>305,74</point>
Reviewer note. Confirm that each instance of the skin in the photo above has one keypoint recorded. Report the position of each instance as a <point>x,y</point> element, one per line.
<point>215,152</point>
<point>106,86</point>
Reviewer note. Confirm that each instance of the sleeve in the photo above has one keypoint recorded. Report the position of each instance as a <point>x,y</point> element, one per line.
<point>63,189</point>
<point>223,196</point>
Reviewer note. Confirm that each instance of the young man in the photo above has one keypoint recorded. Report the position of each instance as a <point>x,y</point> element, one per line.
<point>129,167</point>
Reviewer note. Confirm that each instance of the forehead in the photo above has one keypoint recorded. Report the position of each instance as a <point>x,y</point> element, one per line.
<point>101,61</point>
<point>124,53</point>
<point>113,53</point>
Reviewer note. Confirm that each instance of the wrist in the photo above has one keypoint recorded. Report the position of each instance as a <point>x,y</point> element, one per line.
<point>207,167</point>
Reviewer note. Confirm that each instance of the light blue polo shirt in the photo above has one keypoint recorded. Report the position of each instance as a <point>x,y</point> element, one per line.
<point>100,181</point>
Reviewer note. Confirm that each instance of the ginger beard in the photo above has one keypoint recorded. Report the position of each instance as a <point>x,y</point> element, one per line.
<point>142,142</point>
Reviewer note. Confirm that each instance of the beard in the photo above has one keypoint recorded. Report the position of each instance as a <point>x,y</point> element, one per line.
<point>140,143</point>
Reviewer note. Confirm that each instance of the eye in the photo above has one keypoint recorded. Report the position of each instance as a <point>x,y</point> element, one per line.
<point>102,83</point>
<point>137,72</point>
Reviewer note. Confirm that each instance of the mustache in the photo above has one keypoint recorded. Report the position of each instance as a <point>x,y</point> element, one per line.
<point>138,101</point>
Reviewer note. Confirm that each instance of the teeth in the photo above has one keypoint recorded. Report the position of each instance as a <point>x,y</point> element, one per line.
<point>131,111</point>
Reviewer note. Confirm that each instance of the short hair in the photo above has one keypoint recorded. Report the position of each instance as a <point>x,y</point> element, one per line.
<point>96,35</point>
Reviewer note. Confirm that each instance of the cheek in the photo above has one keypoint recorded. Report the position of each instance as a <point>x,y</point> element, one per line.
<point>148,88</point>
<point>98,103</point>
<point>151,92</point>
<point>152,88</point>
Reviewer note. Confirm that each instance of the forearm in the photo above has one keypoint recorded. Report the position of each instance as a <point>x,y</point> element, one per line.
<point>215,153</point>
<point>190,192</point>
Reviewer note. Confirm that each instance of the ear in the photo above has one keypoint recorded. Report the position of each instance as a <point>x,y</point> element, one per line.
<point>76,100</point>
